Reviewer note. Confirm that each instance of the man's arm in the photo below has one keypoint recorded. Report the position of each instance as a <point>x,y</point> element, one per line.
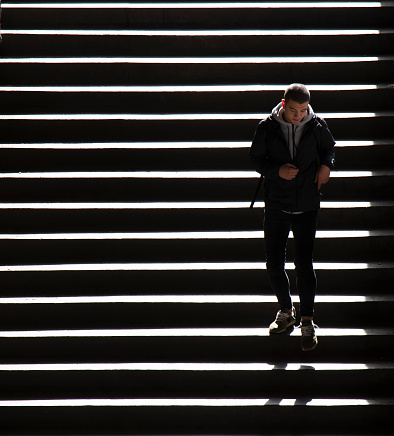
<point>326,155</point>
<point>322,176</point>
<point>258,154</point>
<point>326,146</point>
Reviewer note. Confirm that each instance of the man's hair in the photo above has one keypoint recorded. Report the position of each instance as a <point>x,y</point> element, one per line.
<point>298,93</point>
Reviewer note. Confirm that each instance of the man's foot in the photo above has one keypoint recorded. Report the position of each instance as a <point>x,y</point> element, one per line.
<point>308,335</point>
<point>282,321</point>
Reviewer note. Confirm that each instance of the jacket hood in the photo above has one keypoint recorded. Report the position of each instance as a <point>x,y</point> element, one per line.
<point>277,114</point>
<point>292,132</point>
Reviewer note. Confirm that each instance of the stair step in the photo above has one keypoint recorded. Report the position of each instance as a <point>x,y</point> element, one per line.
<point>171,127</point>
<point>192,380</point>
<point>153,247</point>
<point>200,186</point>
<point>135,417</point>
<point>196,43</point>
<point>123,312</point>
<point>357,155</point>
<point>194,70</point>
<point>154,217</point>
<point>158,278</point>
<point>224,345</point>
<point>196,15</point>
<point>186,99</point>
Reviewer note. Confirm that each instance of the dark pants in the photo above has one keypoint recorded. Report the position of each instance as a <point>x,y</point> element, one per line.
<point>277,225</point>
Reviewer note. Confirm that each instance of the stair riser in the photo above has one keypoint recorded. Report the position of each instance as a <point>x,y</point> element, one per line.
<point>196,73</point>
<point>155,220</point>
<point>197,18</point>
<point>172,130</point>
<point>194,420</point>
<point>274,45</point>
<point>178,190</point>
<point>189,102</point>
<point>31,160</point>
<point>353,281</point>
<point>19,252</point>
<point>187,315</point>
<point>193,384</point>
<point>195,349</point>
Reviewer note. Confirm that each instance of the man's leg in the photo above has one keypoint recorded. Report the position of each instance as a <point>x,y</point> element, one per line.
<point>276,232</point>
<point>304,231</point>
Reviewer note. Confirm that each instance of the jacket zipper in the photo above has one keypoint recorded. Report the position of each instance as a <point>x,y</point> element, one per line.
<point>294,158</point>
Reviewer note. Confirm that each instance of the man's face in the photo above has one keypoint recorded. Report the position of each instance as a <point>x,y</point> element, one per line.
<point>294,112</point>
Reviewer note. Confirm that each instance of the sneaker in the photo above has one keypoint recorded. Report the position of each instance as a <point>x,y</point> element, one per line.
<point>308,336</point>
<point>282,321</point>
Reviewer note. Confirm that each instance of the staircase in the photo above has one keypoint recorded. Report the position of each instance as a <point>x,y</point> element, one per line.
<point>134,298</point>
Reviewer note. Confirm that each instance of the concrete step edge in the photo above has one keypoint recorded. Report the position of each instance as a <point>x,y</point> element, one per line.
<point>180,299</point>
<point>202,5</point>
<point>178,205</point>
<point>192,266</point>
<point>195,366</point>
<point>225,145</point>
<point>210,174</point>
<point>170,333</point>
<point>199,235</point>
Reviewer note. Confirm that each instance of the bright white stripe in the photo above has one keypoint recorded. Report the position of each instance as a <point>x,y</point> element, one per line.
<point>194,60</point>
<point>353,174</point>
<point>182,332</point>
<point>287,402</point>
<point>180,33</point>
<point>172,174</point>
<point>184,402</point>
<point>185,88</point>
<point>255,234</point>
<point>158,366</point>
<point>198,266</point>
<point>136,174</point>
<point>143,236</point>
<point>338,402</point>
<point>180,205</point>
<point>166,145</point>
<point>155,299</point>
<point>188,299</point>
<point>196,332</point>
<point>135,117</point>
<point>213,5</point>
<point>146,402</point>
<point>130,145</point>
<point>175,117</point>
<point>362,143</point>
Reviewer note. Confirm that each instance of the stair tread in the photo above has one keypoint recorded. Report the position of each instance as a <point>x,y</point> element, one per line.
<point>216,235</point>
<point>227,145</point>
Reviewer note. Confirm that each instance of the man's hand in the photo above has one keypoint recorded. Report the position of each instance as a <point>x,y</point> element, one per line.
<point>288,171</point>
<point>322,176</point>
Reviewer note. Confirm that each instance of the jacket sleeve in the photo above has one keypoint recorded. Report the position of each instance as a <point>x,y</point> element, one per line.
<point>326,146</point>
<point>259,154</point>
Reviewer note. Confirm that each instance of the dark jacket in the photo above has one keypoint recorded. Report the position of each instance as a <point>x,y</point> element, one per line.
<point>269,151</point>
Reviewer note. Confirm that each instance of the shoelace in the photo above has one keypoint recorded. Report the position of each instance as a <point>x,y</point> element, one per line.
<point>281,316</point>
<point>308,329</point>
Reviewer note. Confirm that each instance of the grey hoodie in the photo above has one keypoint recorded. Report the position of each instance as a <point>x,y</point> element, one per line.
<point>292,132</point>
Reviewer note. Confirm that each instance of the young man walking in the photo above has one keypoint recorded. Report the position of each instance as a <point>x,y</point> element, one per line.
<point>293,150</point>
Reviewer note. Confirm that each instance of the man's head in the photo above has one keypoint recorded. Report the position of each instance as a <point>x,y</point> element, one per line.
<point>295,103</point>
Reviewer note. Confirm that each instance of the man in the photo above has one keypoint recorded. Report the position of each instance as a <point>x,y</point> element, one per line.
<point>293,150</point>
